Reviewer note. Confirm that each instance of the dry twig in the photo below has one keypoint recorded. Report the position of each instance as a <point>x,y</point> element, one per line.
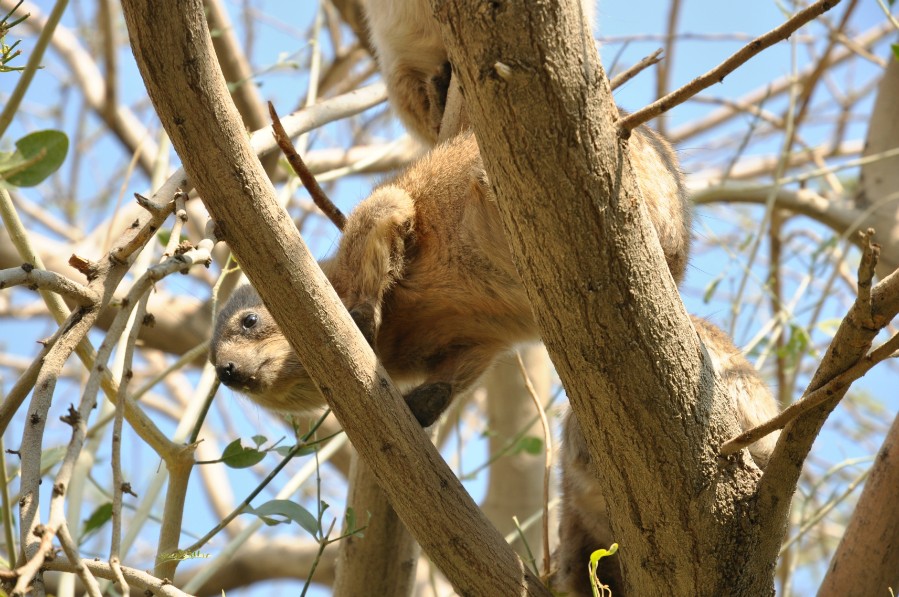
<point>628,74</point>
<point>320,198</point>
<point>717,74</point>
<point>838,383</point>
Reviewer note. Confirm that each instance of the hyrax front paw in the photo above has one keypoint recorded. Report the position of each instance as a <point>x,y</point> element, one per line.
<point>428,401</point>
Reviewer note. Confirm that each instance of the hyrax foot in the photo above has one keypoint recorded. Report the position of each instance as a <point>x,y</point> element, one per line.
<point>428,401</point>
<point>364,316</point>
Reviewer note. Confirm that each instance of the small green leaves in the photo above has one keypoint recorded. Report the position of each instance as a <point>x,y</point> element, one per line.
<point>530,445</point>
<point>37,156</point>
<point>181,555</point>
<point>96,520</point>
<point>238,456</point>
<point>290,511</point>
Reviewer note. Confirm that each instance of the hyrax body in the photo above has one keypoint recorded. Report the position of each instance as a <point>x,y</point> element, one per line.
<point>414,61</point>
<point>425,271</point>
<point>584,521</point>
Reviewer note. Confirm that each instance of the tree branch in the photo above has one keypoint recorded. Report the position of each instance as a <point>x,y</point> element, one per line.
<point>607,307</point>
<point>717,74</point>
<point>870,313</point>
<point>198,114</point>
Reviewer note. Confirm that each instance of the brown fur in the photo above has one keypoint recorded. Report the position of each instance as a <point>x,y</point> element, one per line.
<point>425,271</point>
<point>584,522</point>
<point>414,61</point>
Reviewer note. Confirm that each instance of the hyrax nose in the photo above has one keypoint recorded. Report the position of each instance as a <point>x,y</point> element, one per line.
<point>227,374</point>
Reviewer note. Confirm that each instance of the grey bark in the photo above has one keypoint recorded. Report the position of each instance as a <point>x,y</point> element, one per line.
<point>607,307</point>
<point>172,47</point>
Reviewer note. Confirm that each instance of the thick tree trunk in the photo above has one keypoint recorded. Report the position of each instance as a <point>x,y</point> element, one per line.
<point>607,307</point>
<point>171,43</point>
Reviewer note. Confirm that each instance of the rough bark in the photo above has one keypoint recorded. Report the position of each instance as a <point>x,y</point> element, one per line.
<point>607,307</point>
<point>867,559</point>
<point>172,47</point>
<point>383,561</point>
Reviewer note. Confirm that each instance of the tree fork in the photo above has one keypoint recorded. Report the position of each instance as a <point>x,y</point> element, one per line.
<point>607,307</point>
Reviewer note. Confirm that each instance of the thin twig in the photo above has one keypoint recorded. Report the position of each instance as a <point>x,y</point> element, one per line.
<point>839,382</point>
<point>812,399</point>
<point>137,578</point>
<point>27,274</point>
<point>663,73</point>
<point>628,74</point>
<point>26,572</point>
<point>548,454</point>
<point>320,198</point>
<point>717,74</point>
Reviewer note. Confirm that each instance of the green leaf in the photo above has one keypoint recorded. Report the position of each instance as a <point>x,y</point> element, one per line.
<point>285,450</point>
<point>711,288</point>
<point>291,511</point>
<point>100,516</point>
<point>599,554</point>
<point>259,440</point>
<point>350,518</point>
<point>530,444</point>
<point>44,152</point>
<point>895,48</point>
<point>238,456</point>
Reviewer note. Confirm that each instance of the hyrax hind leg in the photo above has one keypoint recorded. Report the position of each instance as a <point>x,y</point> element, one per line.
<point>372,255</point>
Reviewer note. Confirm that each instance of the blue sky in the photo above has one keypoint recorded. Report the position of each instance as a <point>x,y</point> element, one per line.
<point>286,87</point>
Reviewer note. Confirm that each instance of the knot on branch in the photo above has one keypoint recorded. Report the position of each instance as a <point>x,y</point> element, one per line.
<point>89,269</point>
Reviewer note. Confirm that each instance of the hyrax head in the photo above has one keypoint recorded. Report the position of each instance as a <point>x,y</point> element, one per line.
<point>252,356</point>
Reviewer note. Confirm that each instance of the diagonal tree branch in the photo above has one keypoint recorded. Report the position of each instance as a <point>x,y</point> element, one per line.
<point>190,96</point>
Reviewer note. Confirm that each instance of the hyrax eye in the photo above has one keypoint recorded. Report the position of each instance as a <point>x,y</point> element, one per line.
<point>249,320</point>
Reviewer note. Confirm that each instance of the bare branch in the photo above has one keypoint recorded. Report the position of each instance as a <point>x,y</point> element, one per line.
<point>318,195</point>
<point>626,75</point>
<point>38,278</point>
<point>134,577</point>
<point>717,74</point>
<point>778,86</point>
<point>812,399</point>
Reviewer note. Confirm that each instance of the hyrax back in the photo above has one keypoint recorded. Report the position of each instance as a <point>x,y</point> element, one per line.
<point>425,271</point>
<point>584,520</point>
<point>414,61</point>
